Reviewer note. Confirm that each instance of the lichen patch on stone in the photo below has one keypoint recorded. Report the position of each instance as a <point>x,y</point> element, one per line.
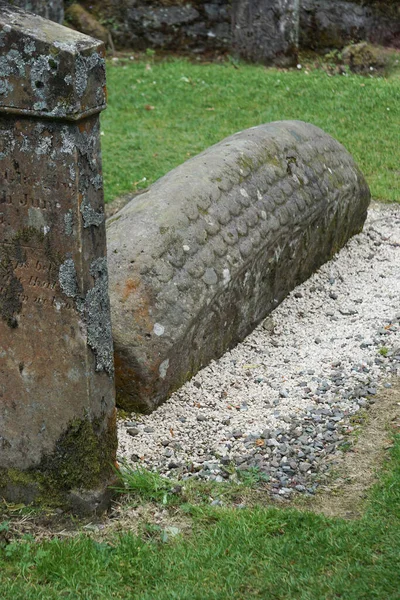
<point>163,368</point>
<point>69,222</point>
<point>90,216</point>
<point>158,329</point>
<point>97,317</point>
<point>68,278</point>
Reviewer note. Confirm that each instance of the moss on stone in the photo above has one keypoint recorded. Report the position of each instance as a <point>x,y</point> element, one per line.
<point>363,58</point>
<point>27,234</point>
<point>83,458</point>
<point>122,414</point>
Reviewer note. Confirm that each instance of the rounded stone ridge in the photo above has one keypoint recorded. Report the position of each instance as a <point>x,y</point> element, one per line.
<point>197,261</point>
<point>48,70</point>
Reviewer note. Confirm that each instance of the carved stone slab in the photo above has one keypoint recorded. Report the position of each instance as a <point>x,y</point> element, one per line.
<point>198,260</point>
<point>57,422</point>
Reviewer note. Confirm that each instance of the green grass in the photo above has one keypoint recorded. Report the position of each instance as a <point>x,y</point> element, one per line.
<point>197,105</point>
<point>268,553</point>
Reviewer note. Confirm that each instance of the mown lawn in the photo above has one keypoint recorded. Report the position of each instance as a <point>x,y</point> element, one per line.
<point>161,113</point>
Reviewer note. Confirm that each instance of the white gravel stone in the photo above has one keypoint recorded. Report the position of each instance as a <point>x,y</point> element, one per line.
<point>349,305</point>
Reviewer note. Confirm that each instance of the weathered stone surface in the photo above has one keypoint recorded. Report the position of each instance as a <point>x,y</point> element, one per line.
<point>328,24</point>
<point>57,405</point>
<point>266,31</point>
<point>49,9</point>
<point>63,71</point>
<point>198,260</point>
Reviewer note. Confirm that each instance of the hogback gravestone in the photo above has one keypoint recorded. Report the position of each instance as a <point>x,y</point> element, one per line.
<point>200,258</point>
<point>57,405</point>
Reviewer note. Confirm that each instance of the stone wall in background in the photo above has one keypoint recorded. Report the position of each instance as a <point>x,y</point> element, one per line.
<point>50,9</point>
<point>328,24</point>
<point>255,22</point>
<point>195,26</point>
<point>200,26</point>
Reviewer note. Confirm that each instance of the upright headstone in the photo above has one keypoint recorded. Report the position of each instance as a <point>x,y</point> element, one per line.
<point>57,405</point>
<point>266,31</point>
<point>50,9</point>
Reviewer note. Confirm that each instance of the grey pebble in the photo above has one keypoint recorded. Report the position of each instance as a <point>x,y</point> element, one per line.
<point>133,431</point>
<point>201,418</point>
<point>300,488</point>
<point>237,433</point>
<point>304,467</point>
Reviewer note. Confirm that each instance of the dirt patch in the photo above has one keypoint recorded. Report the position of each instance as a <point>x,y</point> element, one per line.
<point>355,471</point>
<point>147,521</point>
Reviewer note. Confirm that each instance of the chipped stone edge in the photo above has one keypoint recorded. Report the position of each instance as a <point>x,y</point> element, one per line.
<point>53,117</point>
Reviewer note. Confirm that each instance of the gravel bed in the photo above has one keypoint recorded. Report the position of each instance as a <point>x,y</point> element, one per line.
<point>281,403</point>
